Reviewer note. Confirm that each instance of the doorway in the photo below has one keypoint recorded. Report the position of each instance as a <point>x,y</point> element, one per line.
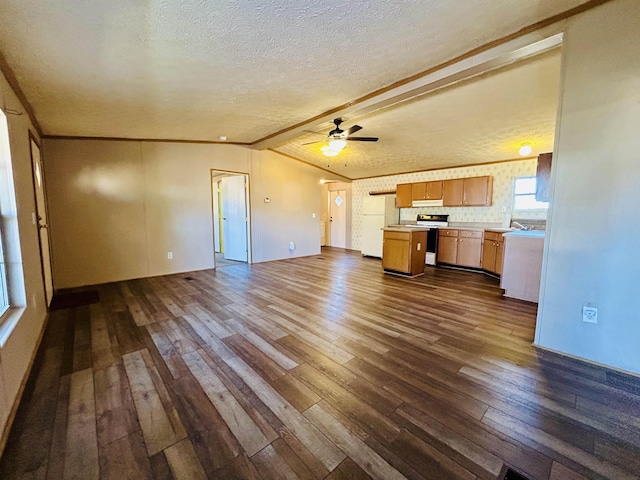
<point>42,218</point>
<point>231,218</point>
<point>337,218</point>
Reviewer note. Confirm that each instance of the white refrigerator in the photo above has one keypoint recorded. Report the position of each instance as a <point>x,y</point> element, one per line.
<point>378,211</point>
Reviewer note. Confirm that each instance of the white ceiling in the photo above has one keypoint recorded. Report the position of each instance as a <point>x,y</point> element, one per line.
<point>196,69</point>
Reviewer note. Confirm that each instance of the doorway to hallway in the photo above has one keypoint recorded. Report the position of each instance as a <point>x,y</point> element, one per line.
<point>231,218</point>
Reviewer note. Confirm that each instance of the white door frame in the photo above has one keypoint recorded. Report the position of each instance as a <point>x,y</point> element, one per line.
<point>214,172</point>
<point>42,217</point>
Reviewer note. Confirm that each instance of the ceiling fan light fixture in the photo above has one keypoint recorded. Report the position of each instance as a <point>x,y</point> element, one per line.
<point>525,150</point>
<point>337,144</point>
<point>327,151</point>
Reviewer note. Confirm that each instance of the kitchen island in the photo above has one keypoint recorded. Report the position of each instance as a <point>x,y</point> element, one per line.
<point>403,250</point>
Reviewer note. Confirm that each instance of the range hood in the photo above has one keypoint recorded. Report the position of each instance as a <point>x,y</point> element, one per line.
<point>427,203</point>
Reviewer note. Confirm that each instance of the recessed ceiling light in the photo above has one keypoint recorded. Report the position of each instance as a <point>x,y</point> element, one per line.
<point>223,138</point>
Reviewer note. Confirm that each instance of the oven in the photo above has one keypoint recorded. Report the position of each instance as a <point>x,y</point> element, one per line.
<point>433,222</point>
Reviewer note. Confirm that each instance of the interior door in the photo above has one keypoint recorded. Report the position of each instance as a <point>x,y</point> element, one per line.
<point>338,218</point>
<point>217,217</point>
<point>234,217</point>
<point>42,220</point>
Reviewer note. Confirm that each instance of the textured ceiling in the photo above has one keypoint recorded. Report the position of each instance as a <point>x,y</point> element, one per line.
<point>196,69</point>
<point>484,119</point>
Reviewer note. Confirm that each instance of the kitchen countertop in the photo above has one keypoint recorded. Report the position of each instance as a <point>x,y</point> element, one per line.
<point>526,233</point>
<point>404,228</point>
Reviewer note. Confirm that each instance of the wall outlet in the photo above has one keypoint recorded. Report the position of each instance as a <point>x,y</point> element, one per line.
<point>313,215</point>
<point>292,246</point>
<point>589,314</point>
<point>170,255</point>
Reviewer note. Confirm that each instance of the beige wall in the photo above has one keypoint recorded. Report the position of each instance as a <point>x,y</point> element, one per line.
<point>19,347</point>
<point>118,207</point>
<point>593,236</point>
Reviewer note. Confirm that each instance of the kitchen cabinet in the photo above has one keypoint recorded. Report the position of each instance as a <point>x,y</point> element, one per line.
<point>426,190</point>
<point>522,264</point>
<point>468,192</point>
<point>403,195</point>
<point>460,247</point>
<point>403,250</point>
<point>492,252</point>
<point>543,177</point>
<point>453,192</point>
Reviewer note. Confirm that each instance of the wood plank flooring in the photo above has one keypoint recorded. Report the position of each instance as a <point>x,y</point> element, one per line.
<point>314,368</point>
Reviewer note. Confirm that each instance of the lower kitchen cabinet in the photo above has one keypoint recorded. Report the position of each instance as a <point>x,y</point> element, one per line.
<point>492,252</point>
<point>460,247</point>
<point>403,250</point>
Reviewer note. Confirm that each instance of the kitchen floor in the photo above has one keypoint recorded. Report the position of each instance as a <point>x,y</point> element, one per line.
<point>314,367</point>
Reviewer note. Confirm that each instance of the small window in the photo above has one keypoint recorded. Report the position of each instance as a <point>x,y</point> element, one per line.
<point>524,195</point>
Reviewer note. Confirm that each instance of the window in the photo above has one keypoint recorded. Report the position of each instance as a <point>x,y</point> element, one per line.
<point>4,293</point>
<point>12,292</point>
<point>524,195</point>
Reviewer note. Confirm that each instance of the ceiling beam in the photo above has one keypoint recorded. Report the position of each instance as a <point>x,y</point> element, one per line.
<point>446,75</point>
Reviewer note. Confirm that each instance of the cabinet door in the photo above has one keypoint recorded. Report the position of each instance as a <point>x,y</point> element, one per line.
<point>453,191</point>
<point>543,175</point>
<point>489,254</point>
<point>477,191</point>
<point>395,255</point>
<point>469,252</point>
<point>419,191</point>
<point>403,195</point>
<point>499,256</point>
<point>434,190</point>
<point>447,249</point>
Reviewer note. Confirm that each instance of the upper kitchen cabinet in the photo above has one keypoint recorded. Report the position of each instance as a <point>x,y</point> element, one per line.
<point>468,192</point>
<point>426,190</point>
<point>403,195</point>
<point>453,192</point>
<point>543,176</point>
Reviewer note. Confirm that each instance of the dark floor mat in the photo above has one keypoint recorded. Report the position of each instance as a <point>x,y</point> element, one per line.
<point>76,299</point>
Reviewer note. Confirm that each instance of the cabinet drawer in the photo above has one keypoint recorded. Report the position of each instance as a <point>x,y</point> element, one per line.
<point>470,234</point>
<point>445,232</point>
<point>492,236</point>
<point>397,236</point>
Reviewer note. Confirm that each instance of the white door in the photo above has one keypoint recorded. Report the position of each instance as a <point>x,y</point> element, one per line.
<point>338,218</point>
<point>234,217</point>
<point>42,220</point>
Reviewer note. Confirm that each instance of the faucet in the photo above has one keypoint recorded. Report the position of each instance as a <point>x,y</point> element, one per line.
<point>522,227</point>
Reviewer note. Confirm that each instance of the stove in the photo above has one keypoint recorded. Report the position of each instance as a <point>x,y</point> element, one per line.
<point>433,222</point>
<point>425,220</point>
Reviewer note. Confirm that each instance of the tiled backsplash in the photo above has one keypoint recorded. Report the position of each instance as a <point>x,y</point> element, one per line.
<point>503,175</point>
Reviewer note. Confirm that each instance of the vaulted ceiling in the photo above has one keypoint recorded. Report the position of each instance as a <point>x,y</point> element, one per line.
<point>197,70</point>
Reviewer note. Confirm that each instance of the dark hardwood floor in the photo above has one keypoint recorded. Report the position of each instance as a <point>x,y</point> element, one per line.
<point>313,368</point>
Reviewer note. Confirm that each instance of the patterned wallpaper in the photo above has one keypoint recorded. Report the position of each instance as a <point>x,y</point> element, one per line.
<point>503,175</point>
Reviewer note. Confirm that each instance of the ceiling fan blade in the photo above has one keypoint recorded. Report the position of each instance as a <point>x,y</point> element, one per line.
<point>363,139</point>
<point>354,129</point>
<point>310,143</point>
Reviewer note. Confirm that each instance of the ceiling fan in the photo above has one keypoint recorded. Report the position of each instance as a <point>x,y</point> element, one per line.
<point>337,138</point>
